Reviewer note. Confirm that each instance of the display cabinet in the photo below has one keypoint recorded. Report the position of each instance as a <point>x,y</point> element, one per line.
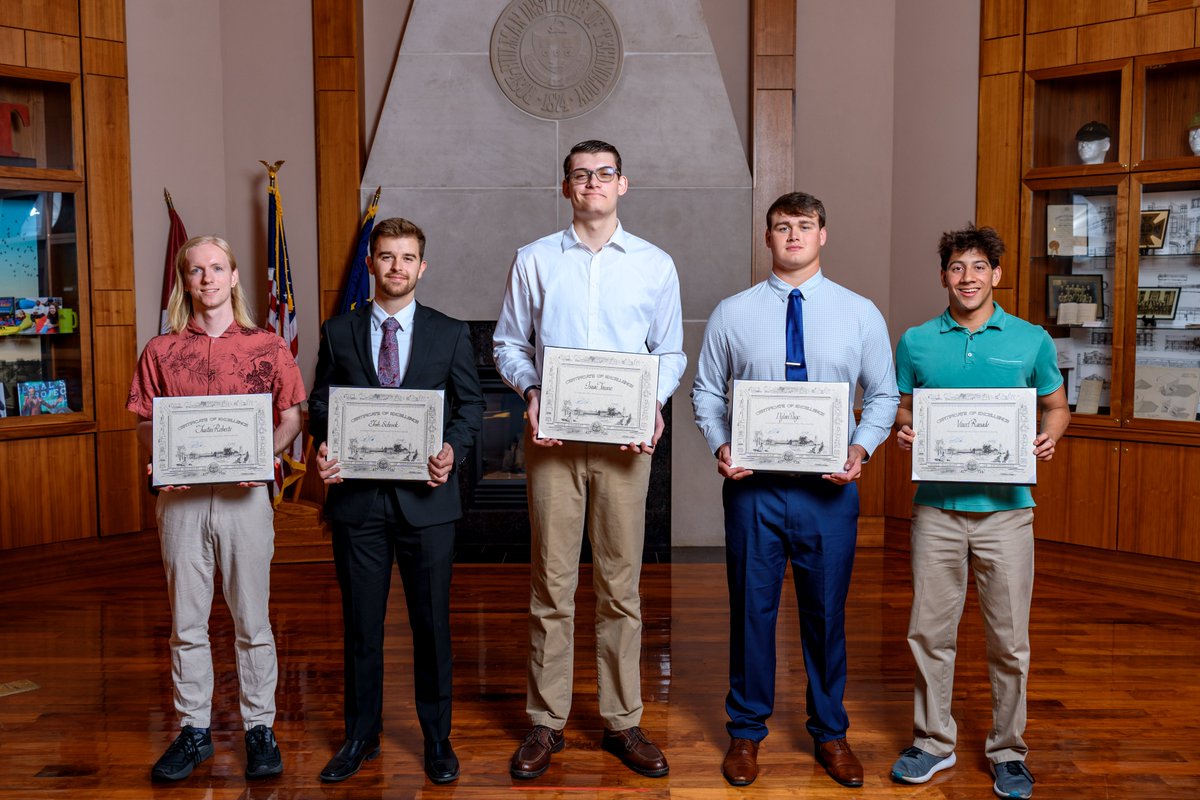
<point>1069,106</point>
<point>45,357</point>
<point>1167,99</point>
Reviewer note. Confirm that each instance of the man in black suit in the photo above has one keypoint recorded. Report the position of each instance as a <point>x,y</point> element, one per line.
<point>395,341</point>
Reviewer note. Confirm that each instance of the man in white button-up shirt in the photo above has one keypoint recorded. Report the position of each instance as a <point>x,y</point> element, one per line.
<point>591,286</point>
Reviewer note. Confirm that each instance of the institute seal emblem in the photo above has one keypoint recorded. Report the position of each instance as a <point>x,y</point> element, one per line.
<point>556,59</point>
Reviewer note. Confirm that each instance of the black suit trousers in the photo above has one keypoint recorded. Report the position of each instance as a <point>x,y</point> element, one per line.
<point>363,555</point>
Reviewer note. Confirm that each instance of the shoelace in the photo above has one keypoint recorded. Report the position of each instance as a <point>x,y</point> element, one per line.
<point>633,736</point>
<point>911,752</point>
<point>541,734</point>
<point>260,741</point>
<point>186,744</point>
<point>1018,769</point>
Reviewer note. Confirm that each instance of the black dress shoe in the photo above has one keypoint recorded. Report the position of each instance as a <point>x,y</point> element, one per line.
<point>348,760</point>
<point>441,765</point>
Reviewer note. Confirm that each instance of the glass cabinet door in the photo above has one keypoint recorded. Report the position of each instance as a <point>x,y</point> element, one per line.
<point>1166,306</point>
<point>1072,282</point>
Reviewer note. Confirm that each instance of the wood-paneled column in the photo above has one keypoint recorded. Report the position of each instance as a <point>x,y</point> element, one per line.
<point>773,112</point>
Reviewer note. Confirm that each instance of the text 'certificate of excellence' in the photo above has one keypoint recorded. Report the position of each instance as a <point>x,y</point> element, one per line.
<point>974,435</point>
<point>598,396</point>
<point>217,439</point>
<point>384,434</point>
<point>790,426</point>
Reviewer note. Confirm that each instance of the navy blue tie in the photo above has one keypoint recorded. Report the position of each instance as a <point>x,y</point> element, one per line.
<point>797,369</point>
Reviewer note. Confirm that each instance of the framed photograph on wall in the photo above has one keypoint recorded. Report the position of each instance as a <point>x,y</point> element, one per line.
<point>1157,302</point>
<point>1076,289</point>
<point>1154,229</point>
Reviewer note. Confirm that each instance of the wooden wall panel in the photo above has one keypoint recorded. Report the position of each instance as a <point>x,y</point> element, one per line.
<point>115,356</point>
<point>871,486</point>
<point>12,46</point>
<point>898,498</point>
<point>1159,6</point>
<point>113,307</point>
<point>1001,18</point>
<point>52,51</point>
<point>774,164</point>
<point>998,197</point>
<point>339,172</point>
<point>1044,15</point>
<point>1153,34</point>
<point>102,57</point>
<point>110,195</point>
<point>1052,49</point>
<point>1000,55</point>
<point>337,74</point>
<point>335,28</point>
<point>120,479</point>
<point>56,499</point>
<point>1076,493</point>
<point>48,16</point>
<point>775,72</point>
<point>1159,500</point>
<point>103,19</point>
<point>774,28</point>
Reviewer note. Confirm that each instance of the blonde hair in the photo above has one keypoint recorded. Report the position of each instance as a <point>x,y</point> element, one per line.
<point>179,307</point>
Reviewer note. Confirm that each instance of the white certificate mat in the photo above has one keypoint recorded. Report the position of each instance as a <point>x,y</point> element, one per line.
<point>384,434</point>
<point>974,435</point>
<point>598,396</point>
<point>217,439</point>
<point>790,426</point>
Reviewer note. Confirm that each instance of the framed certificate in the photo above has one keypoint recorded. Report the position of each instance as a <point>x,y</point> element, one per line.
<point>598,396</point>
<point>974,435</point>
<point>384,434</point>
<point>790,426</point>
<point>218,439</point>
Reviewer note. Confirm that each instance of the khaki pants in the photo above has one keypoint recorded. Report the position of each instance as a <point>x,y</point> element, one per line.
<point>998,546</point>
<point>609,486</point>
<point>204,529</point>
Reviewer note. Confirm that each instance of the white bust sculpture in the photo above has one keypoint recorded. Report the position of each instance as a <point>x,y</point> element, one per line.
<point>1092,141</point>
<point>1194,140</point>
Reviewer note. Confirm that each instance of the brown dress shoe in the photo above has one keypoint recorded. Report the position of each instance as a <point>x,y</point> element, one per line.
<point>840,762</point>
<point>740,766</point>
<point>533,756</point>
<point>636,751</point>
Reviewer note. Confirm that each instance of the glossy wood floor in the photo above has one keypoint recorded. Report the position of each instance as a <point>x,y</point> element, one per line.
<point>1112,712</point>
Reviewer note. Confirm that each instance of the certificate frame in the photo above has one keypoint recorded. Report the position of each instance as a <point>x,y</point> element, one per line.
<point>975,435</point>
<point>379,433</point>
<point>214,439</point>
<point>598,396</point>
<point>790,426</point>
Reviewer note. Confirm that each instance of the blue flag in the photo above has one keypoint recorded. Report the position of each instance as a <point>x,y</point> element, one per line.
<point>358,279</point>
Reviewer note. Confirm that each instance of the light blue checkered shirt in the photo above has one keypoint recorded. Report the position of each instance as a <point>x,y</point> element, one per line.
<point>845,339</point>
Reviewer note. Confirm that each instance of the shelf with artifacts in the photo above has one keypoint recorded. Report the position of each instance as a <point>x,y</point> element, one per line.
<point>1077,120</point>
<point>1166,99</point>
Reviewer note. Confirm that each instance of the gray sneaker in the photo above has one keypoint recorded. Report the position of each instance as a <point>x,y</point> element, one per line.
<point>1013,779</point>
<point>916,766</point>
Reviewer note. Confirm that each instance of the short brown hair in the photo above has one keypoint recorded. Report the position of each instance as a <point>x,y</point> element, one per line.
<point>797,204</point>
<point>591,146</point>
<point>398,228</point>
<point>985,240</point>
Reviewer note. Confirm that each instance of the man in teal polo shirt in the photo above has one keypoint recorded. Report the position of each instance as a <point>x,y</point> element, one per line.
<point>973,344</point>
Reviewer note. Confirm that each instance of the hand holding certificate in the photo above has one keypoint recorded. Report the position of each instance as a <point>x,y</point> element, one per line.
<point>974,435</point>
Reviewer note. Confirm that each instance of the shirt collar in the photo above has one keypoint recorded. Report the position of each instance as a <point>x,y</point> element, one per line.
<point>404,316</point>
<point>783,289</point>
<point>997,320</point>
<point>194,329</point>
<point>619,239</point>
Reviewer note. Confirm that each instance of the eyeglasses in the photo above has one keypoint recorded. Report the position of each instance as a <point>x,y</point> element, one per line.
<point>604,175</point>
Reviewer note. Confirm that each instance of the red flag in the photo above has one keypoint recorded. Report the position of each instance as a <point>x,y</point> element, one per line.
<point>175,239</point>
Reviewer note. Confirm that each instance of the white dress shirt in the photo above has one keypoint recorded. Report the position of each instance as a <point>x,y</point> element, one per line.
<point>403,335</point>
<point>624,298</point>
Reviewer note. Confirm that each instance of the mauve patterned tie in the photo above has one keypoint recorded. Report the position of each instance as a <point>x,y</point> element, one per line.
<point>389,355</point>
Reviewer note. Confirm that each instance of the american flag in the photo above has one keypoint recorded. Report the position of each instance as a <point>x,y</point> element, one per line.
<point>281,317</point>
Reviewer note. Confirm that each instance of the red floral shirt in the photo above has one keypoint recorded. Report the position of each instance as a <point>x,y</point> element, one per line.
<point>192,363</point>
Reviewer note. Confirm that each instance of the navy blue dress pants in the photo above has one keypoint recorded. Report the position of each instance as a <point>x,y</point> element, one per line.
<point>769,521</point>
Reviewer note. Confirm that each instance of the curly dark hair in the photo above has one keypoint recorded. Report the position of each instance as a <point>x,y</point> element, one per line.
<point>985,240</point>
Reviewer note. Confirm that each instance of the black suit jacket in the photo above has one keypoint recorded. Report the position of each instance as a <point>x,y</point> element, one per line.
<point>441,358</point>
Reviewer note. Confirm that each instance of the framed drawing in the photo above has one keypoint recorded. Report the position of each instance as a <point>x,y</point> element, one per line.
<point>1154,229</point>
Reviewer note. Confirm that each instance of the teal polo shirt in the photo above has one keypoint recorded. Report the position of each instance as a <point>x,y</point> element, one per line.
<point>1006,353</point>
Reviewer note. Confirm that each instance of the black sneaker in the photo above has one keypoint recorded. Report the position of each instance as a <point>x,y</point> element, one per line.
<point>262,753</point>
<point>190,747</point>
